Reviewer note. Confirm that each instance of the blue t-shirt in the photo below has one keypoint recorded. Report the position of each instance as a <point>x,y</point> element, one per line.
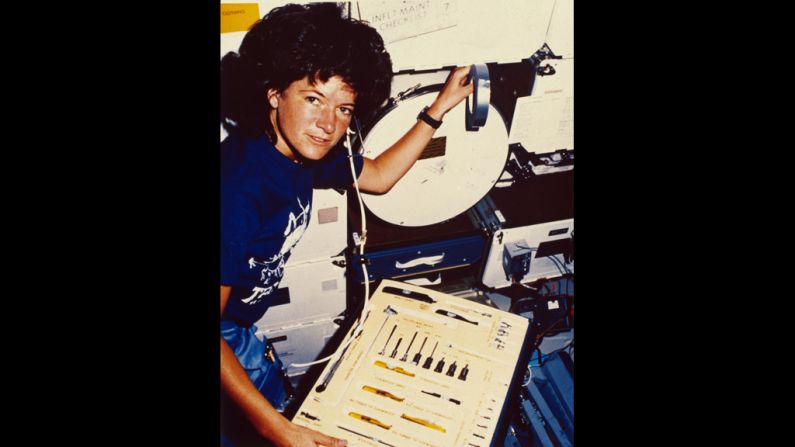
<point>266,203</point>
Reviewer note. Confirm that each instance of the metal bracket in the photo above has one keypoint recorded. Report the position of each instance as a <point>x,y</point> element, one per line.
<point>543,54</point>
<point>402,95</point>
<point>528,165</point>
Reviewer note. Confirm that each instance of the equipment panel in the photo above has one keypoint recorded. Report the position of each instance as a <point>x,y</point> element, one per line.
<point>427,369</point>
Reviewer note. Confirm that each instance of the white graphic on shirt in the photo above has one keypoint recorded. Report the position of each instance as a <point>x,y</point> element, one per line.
<point>273,268</point>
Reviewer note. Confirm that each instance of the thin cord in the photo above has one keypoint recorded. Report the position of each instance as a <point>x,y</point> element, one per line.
<point>555,261</point>
<point>562,264</point>
<point>540,336</point>
<point>544,357</point>
<point>529,375</point>
<point>363,240</point>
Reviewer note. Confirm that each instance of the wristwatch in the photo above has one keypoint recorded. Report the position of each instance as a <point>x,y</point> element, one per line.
<point>428,119</point>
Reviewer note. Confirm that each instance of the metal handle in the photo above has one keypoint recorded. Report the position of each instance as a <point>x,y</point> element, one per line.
<point>429,260</point>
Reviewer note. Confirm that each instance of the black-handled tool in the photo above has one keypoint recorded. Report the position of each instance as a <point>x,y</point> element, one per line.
<point>450,314</point>
<point>439,366</point>
<point>451,371</point>
<point>372,438</point>
<point>389,311</point>
<point>418,355</point>
<point>429,360</point>
<point>406,354</point>
<point>455,401</point>
<point>464,372</point>
<point>394,351</point>
<point>387,340</point>
<point>309,416</point>
<point>322,387</point>
<point>409,294</point>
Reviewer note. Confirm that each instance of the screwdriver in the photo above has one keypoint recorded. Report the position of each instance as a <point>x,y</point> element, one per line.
<point>451,314</point>
<point>455,401</point>
<point>393,368</point>
<point>406,354</point>
<point>429,360</point>
<point>365,436</point>
<point>418,355</point>
<point>387,340</point>
<point>370,420</point>
<point>309,416</point>
<point>394,351</point>
<point>428,424</point>
<point>322,387</point>
<point>382,393</point>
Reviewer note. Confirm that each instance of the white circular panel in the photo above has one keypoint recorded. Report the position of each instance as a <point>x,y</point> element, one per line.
<point>440,187</point>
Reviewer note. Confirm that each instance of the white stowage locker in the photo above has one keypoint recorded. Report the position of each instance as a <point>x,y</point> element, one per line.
<point>325,236</point>
<point>301,343</point>
<point>533,238</point>
<point>315,291</point>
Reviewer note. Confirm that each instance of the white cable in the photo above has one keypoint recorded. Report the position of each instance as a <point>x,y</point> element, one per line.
<point>363,240</point>
<point>529,375</point>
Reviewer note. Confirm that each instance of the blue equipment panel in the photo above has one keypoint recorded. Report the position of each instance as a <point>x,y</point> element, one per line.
<point>421,258</point>
<point>550,404</point>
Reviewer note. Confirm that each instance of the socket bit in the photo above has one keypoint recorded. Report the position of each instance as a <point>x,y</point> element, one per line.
<point>439,366</point>
<point>451,371</point>
<point>464,372</point>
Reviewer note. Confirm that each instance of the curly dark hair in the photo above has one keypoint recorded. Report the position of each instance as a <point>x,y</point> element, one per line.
<point>291,43</point>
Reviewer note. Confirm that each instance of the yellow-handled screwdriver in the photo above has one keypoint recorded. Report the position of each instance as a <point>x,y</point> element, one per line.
<point>382,393</point>
<point>370,420</point>
<point>423,422</point>
<point>393,368</point>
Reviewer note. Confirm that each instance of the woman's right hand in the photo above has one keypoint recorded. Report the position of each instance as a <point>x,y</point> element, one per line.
<point>455,89</point>
<point>297,436</point>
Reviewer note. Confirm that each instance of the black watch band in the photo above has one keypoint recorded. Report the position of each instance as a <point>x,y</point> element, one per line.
<point>428,119</point>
